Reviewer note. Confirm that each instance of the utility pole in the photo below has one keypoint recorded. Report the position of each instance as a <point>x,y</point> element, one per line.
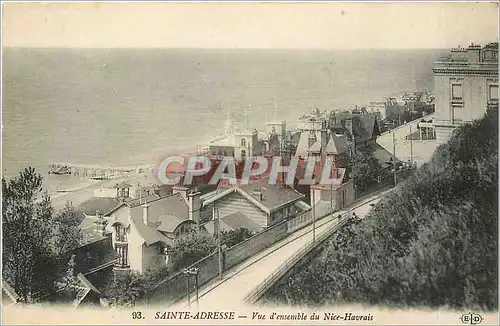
<point>411,147</point>
<point>314,215</point>
<point>188,288</point>
<point>394,154</point>
<point>219,249</point>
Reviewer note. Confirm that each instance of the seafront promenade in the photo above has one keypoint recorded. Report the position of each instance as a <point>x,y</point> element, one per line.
<point>78,195</point>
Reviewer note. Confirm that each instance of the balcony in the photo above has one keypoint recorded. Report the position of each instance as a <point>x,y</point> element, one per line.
<point>121,237</point>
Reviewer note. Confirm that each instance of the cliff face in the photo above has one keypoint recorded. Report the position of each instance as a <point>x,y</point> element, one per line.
<point>432,242</point>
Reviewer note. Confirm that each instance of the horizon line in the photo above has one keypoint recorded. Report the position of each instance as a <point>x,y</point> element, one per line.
<point>215,48</point>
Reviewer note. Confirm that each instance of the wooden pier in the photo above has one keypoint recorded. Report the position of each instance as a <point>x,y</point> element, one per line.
<point>98,171</point>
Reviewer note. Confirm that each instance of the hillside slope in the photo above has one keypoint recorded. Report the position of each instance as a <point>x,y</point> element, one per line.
<point>432,242</point>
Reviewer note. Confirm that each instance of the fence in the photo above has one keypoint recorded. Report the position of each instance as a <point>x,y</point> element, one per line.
<point>175,287</point>
<point>245,249</point>
<point>255,295</point>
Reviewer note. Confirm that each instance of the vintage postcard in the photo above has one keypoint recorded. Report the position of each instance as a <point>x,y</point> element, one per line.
<point>322,163</point>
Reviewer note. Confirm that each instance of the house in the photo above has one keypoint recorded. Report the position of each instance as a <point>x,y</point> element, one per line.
<point>360,127</point>
<point>465,85</point>
<point>142,230</point>
<point>125,233</point>
<point>235,142</point>
<point>256,205</point>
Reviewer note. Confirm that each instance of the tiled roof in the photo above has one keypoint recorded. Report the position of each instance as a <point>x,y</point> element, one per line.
<point>90,235</point>
<point>147,199</point>
<point>274,195</point>
<point>101,204</point>
<point>86,283</point>
<point>122,185</point>
<point>239,220</point>
<point>231,222</point>
<point>149,234</point>
<point>337,144</point>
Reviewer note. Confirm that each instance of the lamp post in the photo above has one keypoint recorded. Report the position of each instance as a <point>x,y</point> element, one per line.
<point>188,272</point>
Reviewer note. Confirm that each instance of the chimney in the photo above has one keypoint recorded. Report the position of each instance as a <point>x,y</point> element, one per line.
<point>257,193</point>
<point>458,54</point>
<point>145,213</point>
<point>473,53</point>
<point>99,223</point>
<point>312,139</point>
<point>194,205</point>
<point>180,190</point>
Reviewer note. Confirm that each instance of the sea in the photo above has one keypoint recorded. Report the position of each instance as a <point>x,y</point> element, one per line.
<point>124,107</point>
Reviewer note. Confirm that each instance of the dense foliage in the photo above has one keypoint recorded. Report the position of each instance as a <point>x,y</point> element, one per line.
<point>431,242</point>
<point>37,242</point>
<point>366,172</point>
<point>233,237</point>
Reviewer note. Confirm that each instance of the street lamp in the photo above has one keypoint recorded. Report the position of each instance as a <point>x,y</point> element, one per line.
<point>188,272</point>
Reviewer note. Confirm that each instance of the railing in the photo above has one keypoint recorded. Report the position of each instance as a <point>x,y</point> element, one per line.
<point>103,266</point>
<point>276,275</point>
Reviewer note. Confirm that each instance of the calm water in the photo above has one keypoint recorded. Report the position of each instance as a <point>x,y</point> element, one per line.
<point>128,106</point>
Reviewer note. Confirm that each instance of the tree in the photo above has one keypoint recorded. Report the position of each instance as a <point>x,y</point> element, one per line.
<point>233,237</point>
<point>67,234</point>
<point>191,249</point>
<point>125,289</point>
<point>32,259</point>
<point>365,171</point>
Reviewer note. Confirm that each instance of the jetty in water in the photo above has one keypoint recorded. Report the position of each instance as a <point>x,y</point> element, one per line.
<point>96,171</point>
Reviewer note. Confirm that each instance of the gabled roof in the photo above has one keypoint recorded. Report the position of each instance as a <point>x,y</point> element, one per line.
<point>233,221</point>
<point>89,233</point>
<point>274,196</point>
<point>316,147</point>
<point>149,234</point>
<point>122,184</point>
<point>101,204</point>
<point>337,144</point>
<point>238,220</point>
<point>85,288</point>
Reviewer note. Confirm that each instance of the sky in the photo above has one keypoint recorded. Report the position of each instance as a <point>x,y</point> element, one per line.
<point>249,25</point>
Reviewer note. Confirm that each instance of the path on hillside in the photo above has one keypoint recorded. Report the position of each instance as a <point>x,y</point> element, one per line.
<point>244,278</point>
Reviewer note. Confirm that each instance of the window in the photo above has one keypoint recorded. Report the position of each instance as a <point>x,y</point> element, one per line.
<point>122,252</point>
<point>121,233</point>
<point>243,142</point>
<point>493,93</point>
<point>456,92</point>
<point>243,153</point>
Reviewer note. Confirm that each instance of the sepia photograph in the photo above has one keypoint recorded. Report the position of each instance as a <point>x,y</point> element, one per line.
<point>250,163</point>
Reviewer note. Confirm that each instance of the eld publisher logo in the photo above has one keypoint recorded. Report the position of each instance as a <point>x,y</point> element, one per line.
<point>471,319</point>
